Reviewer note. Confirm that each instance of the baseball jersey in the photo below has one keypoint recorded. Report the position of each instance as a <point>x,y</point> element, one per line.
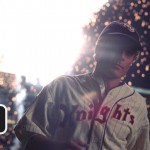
<point>65,109</point>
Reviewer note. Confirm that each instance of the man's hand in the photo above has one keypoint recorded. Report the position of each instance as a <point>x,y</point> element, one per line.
<point>76,145</point>
<point>40,142</point>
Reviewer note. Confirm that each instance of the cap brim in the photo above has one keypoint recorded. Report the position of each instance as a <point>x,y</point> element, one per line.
<point>129,37</point>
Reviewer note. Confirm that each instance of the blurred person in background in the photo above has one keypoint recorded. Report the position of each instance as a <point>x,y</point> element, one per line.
<point>93,111</point>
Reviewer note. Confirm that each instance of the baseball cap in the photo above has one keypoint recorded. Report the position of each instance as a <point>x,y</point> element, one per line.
<point>122,30</point>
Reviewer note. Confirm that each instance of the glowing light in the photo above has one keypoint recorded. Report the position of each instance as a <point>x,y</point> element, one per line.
<point>139,2</point>
<point>122,78</point>
<point>137,17</point>
<point>15,112</point>
<point>147,68</point>
<point>13,99</point>
<point>147,53</point>
<point>130,83</point>
<point>43,38</point>
<point>1,147</point>
<point>138,71</point>
<point>129,22</point>
<point>146,13</point>
<point>145,31</point>
<point>132,4</point>
<point>142,53</point>
<point>1,81</point>
<point>107,4</point>
<point>143,75</point>
<point>138,64</point>
<point>8,108</point>
<point>120,17</point>
<point>106,23</point>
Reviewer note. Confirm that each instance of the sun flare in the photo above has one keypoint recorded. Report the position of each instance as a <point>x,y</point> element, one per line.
<point>42,38</point>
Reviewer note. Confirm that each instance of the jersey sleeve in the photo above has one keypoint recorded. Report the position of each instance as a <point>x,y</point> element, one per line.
<point>142,135</point>
<point>41,118</point>
<point>143,141</point>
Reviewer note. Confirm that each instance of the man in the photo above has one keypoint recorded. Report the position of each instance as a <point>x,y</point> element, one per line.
<point>94,111</point>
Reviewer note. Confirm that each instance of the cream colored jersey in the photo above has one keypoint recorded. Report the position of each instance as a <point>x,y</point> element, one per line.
<point>65,109</point>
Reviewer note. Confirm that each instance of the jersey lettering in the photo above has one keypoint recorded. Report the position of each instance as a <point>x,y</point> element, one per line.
<point>117,114</point>
<point>78,114</point>
<point>103,114</point>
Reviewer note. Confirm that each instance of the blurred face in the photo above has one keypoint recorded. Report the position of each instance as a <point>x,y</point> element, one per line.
<point>114,61</point>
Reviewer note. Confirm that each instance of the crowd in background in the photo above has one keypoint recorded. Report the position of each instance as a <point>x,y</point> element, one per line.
<point>17,100</point>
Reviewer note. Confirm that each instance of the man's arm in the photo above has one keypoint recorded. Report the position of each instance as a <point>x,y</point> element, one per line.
<point>143,140</point>
<point>40,142</point>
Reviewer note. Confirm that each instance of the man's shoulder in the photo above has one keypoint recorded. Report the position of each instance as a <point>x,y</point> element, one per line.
<point>137,98</point>
<point>69,79</point>
<point>135,92</point>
